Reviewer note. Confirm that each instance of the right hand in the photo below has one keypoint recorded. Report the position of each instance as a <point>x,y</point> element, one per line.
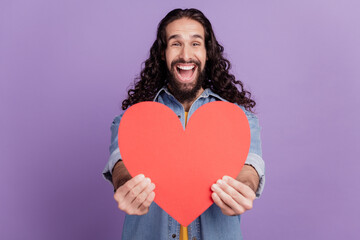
<point>136,195</point>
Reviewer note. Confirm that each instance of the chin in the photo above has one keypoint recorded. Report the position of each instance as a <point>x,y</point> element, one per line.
<point>185,91</point>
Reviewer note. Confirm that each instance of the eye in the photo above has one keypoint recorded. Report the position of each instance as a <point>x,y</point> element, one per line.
<point>176,44</point>
<point>195,44</point>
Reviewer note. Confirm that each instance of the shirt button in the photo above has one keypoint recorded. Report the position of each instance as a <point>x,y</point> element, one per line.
<point>179,116</point>
<point>194,238</point>
<point>174,235</point>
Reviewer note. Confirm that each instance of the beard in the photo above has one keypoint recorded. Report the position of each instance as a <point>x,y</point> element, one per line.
<point>185,92</point>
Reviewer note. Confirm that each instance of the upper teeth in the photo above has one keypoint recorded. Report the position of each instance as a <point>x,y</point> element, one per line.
<point>186,67</point>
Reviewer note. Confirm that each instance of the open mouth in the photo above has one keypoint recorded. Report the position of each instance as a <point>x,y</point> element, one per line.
<point>185,72</point>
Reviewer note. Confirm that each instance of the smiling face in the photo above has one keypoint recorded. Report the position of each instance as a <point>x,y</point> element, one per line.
<point>185,57</point>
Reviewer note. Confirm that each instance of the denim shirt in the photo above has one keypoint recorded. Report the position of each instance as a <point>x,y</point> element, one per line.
<point>212,224</point>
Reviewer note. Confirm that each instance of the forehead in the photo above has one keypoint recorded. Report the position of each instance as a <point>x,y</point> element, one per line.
<point>184,28</point>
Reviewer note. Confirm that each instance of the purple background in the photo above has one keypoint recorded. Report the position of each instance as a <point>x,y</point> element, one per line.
<point>65,67</point>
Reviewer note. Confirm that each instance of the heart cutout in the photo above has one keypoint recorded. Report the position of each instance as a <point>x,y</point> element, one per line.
<point>184,164</point>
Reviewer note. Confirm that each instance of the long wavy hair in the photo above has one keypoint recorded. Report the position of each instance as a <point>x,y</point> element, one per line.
<point>217,77</point>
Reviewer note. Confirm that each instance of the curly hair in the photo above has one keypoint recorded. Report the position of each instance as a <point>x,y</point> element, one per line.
<point>153,76</point>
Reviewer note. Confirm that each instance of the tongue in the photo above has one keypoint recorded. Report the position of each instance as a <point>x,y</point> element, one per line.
<point>185,73</point>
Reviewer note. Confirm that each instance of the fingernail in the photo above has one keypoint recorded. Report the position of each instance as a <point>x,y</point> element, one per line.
<point>225,178</point>
<point>213,187</point>
<point>152,186</point>
<point>141,176</point>
<point>147,180</point>
<point>219,181</point>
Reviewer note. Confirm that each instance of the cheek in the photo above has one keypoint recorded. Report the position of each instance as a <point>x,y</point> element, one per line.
<point>201,54</point>
<point>168,63</point>
<point>203,58</point>
<point>169,58</point>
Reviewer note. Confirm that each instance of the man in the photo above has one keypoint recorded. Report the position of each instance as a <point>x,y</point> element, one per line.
<point>185,70</point>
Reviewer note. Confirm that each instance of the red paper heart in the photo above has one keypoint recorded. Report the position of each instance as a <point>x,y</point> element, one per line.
<point>184,164</point>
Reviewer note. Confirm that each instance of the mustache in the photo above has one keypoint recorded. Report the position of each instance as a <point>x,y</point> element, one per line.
<point>173,63</point>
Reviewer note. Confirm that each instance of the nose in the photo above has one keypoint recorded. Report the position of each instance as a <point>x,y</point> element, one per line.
<point>185,53</point>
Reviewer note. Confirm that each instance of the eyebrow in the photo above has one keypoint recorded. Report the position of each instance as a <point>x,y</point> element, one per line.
<point>175,36</point>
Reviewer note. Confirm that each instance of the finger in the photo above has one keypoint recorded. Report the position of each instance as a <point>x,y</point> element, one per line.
<point>126,203</point>
<point>224,208</point>
<point>238,197</point>
<point>136,190</point>
<point>144,207</point>
<point>230,191</point>
<point>122,191</point>
<point>245,201</point>
<point>226,198</point>
<point>244,189</point>
<point>142,196</point>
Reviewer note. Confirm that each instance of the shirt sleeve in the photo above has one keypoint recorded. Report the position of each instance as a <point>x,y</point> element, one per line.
<point>254,157</point>
<point>114,149</point>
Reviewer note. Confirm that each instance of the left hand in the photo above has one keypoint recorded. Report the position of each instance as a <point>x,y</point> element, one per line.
<point>232,197</point>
